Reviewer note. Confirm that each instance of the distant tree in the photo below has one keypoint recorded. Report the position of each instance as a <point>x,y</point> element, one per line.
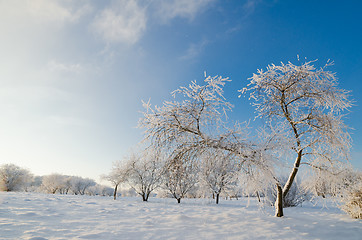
<point>128,192</point>
<point>79,185</point>
<point>53,183</point>
<point>145,171</point>
<point>99,190</point>
<point>35,185</point>
<point>334,182</point>
<point>219,170</point>
<point>66,186</point>
<point>180,175</point>
<point>305,105</point>
<point>117,175</point>
<point>14,178</point>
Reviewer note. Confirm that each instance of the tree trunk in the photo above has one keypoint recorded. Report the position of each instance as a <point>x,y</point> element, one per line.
<point>178,200</point>
<point>292,175</point>
<point>145,197</point>
<point>115,192</point>
<point>279,202</point>
<point>257,194</point>
<point>217,198</point>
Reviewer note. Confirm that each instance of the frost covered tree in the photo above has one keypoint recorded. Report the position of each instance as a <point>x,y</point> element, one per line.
<point>79,185</point>
<point>117,175</point>
<point>352,198</point>
<point>180,174</point>
<point>67,185</point>
<point>99,190</point>
<point>345,185</point>
<point>54,183</point>
<point>307,105</point>
<point>145,171</point>
<point>14,178</point>
<point>193,122</point>
<point>219,170</point>
<point>335,182</point>
<point>35,185</point>
<point>196,119</point>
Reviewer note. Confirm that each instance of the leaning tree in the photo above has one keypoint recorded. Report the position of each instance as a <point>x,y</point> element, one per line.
<point>306,106</point>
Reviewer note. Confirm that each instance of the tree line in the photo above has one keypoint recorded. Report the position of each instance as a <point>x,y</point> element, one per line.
<point>15,178</point>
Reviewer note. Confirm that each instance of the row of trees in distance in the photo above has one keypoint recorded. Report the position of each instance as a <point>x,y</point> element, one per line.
<point>15,178</point>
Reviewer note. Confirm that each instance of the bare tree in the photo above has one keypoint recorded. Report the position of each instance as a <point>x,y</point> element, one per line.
<point>145,171</point>
<point>14,178</point>
<point>307,104</point>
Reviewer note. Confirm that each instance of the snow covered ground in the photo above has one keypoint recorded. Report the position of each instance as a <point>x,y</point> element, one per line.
<point>41,216</point>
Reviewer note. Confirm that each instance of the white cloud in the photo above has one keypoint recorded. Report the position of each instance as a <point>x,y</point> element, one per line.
<point>43,11</point>
<point>169,9</point>
<point>124,21</point>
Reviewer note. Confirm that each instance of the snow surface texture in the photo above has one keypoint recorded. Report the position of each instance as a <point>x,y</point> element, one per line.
<point>41,216</point>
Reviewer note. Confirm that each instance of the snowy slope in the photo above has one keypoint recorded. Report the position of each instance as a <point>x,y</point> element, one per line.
<point>41,216</point>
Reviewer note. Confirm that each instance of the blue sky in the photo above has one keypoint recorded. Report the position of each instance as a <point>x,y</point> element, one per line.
<point>73,73</point>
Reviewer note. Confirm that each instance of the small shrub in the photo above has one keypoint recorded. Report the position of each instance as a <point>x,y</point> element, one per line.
<point>353,202</point>
<point>295,197</point>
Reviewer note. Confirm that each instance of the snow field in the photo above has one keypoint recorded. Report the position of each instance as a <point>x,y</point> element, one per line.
<point>42,216</point>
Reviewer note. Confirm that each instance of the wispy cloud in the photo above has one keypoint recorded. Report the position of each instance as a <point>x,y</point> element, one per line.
<point>44,11</point>
<point>250,6</point>
<point>169,9</point>
<point>194,50</point>
<point>248,9</point>
<point>124,21</point>
<point>56,66</point>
